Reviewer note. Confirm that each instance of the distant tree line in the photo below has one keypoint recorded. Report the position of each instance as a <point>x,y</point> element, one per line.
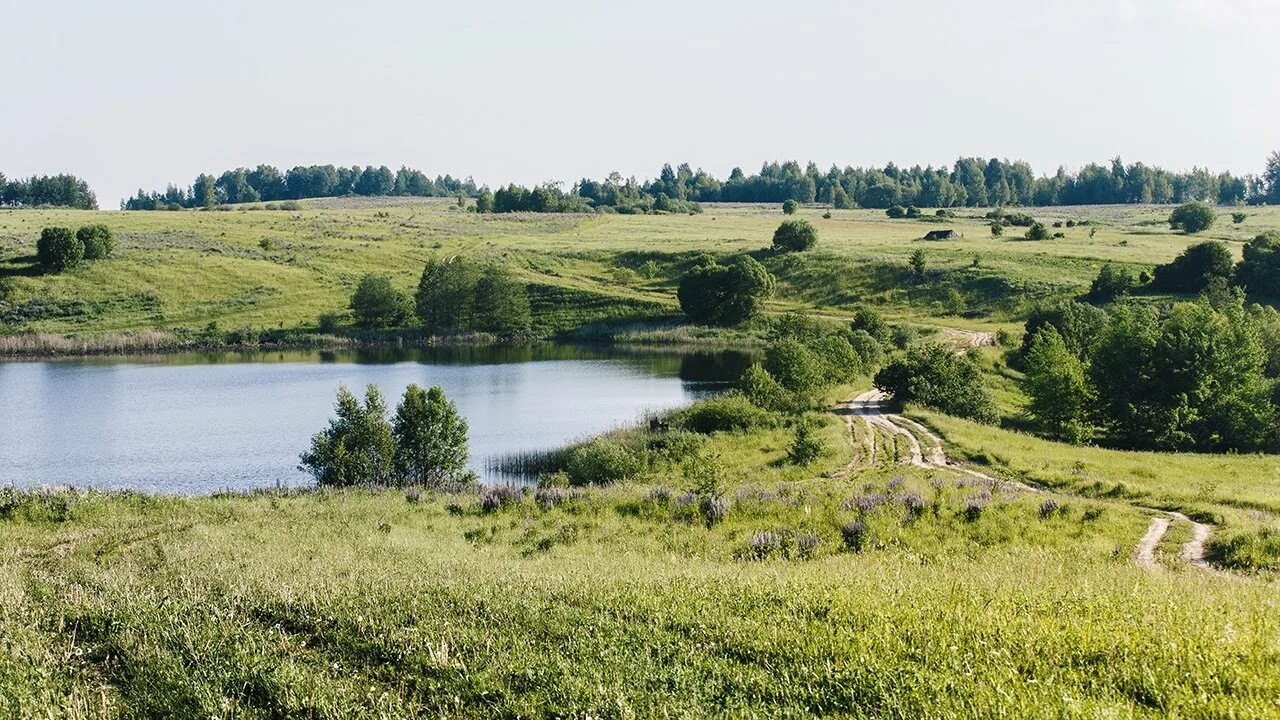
<point>266,183</point>
<point>58,190</point>
<point>969,182</point>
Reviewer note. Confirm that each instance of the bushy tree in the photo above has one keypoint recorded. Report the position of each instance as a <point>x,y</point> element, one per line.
<point>763,390</point>
<point>377,303</point>
<point>870,322</point>
<point>917,262</point>
<point>797,369</point>
<point>794,236</point>
<point>725,294</point>
<point>98,241</point>
<point>59,249</point>
<point>1196,268</point>
<point>1192,217</point>
<point>446,294</point>
<point>501,302</point>
<point>896,211</point>
<point>1078,324</point>
<point>1059,394</point>
<point>805,447</point>
<point>484,201</point>
<point>790,207</point>
<point>936,376</point>
<point>431,440</point>
<point>1259,272</point>
<point>1038,231</point>
<point>357,448</point>
<point>1112,282</point>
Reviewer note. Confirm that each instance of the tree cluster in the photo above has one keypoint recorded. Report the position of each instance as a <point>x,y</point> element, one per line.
<point>266,183</point>
<point>425,444</point>
<point>60,249</point>
<point>1197,376</point>
<point>54,190</point>
<point>937,376</point>
<point>458,294</point>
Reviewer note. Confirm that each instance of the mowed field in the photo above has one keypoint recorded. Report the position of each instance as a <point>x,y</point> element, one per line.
<point>273,269</point>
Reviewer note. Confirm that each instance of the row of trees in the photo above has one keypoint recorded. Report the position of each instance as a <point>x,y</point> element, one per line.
<point>1195,376</point>
<point>57,190</point>
<point>971,181</point>
<point>266,183</point>
<point>456,294</point>
<point>424,445</point>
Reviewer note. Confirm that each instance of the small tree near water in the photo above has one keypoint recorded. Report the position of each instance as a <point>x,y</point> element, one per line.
<point>357,448</point>
<point>431,440</point>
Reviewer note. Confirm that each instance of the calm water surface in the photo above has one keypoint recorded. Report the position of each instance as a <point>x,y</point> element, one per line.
<point>202,423</point>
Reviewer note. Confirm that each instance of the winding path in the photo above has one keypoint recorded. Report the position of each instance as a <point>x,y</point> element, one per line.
<point>870,407</point>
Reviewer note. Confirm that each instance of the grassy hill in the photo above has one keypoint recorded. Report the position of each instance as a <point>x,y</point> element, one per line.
<point>275,269</point>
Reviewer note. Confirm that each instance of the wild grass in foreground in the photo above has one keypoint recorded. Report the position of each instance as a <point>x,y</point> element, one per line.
<point>897,594</point>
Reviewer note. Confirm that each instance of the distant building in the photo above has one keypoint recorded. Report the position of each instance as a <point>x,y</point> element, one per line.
<point>941,235</point>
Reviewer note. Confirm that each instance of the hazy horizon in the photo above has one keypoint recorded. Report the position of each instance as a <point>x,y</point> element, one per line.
<point>152,94</point>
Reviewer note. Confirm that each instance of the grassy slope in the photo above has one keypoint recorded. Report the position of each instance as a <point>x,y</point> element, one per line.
<point>365,605</point>
<point>186,269</point>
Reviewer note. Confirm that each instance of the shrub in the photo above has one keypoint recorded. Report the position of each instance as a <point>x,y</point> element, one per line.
<point>826,215</point>
<point>1112,282</point>
<point>1197,267</point>
<point>936,376</point>
<point>1259,271</point>
<point>725,413</point>
<point>997,229</point>
<point>59,249</point>
<point>98,241</point>
<point>895,212</point>
<point>1238,217</point>
<point>796,368</point>
<point>1037,231</point>
<point>763,390</point>
<point>790,207</point>
<point>1057,223</point>
<point>1252,551</point>
<point>854,535</point>
<point>1192,217</point>
<point>974,506</point>
<point>493,499</point>
<point>1049,508</point>
<point>377,303</point>
<point>725,294</point>
<point>603,462</point>
<point>675,446</point>
<point>805,447</point>
<point>330,322</point>
<point>917,263</point>
<point>871,322</point>
<point>794,236</point>
<point>912,211</point>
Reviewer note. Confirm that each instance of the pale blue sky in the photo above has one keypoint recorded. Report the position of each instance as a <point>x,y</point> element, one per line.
<point>139,94</point>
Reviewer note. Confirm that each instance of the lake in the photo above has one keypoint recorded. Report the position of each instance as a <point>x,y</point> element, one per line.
<point>203,423</point>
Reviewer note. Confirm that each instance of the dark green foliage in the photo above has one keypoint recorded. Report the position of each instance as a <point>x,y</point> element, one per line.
<point>1112,282</point>
<point>724,413</point>
<point>764,391</point>
<point>1059,394</point>
<point>1192,217</point>
<point>458,294</point>
<point>935,376</point>
<point>917,264</point>
<point>357,448</point>
<point>59,249</point>
<point>797,368</point>
<point>790,207</point>
<point>484,201</point>
<point>805,447</point>
<point>377,303</point>
<point>431,440</point>
<point>794,236</point>
<point>1238,217</point>
<point>997,229</point>
<point>52,190</point>
<point>896,212</point>
<point>1037,231</point>
<point>717,294</point>
<point>1078,324</point>
<point>1248,551</point>
<point>603,462</point>
<point>870,322</point>
<point>912,211</point>
<point>1194,270</point>
<point>98,241</point>
<point>1191,380</point>
<point>1259,272</point>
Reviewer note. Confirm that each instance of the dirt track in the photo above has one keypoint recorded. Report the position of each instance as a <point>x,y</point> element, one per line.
<point>925,450</point>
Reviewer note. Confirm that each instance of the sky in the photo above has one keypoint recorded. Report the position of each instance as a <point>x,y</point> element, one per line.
<point>139,94</point>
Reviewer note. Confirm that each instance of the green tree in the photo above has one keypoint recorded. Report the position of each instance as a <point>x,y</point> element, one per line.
<point>1112,282</point>
<point>358,447</point>
<point>790,207</point>
<point>1038,231</point>
<point>1196,268</point>
<point>1078,324</point>
<point>1192,217</point>
<point>98,241</point>
<point>1259,272</point>
<point>725,294</point>
<point>501,302</point>
<point>204,192</point>
<point>484,201</point>
<point>1059,394</point>
<point>871,322</point>
<point>446,294</point>
<point>796,368</point>
<point>794,236</point>
<point>917,264</point>
<point>377,303</point>
<point>59,249</point>
<point>431,440</point>
<point>936,376</point>
<point>805,447</point>
<point>764,391</point>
